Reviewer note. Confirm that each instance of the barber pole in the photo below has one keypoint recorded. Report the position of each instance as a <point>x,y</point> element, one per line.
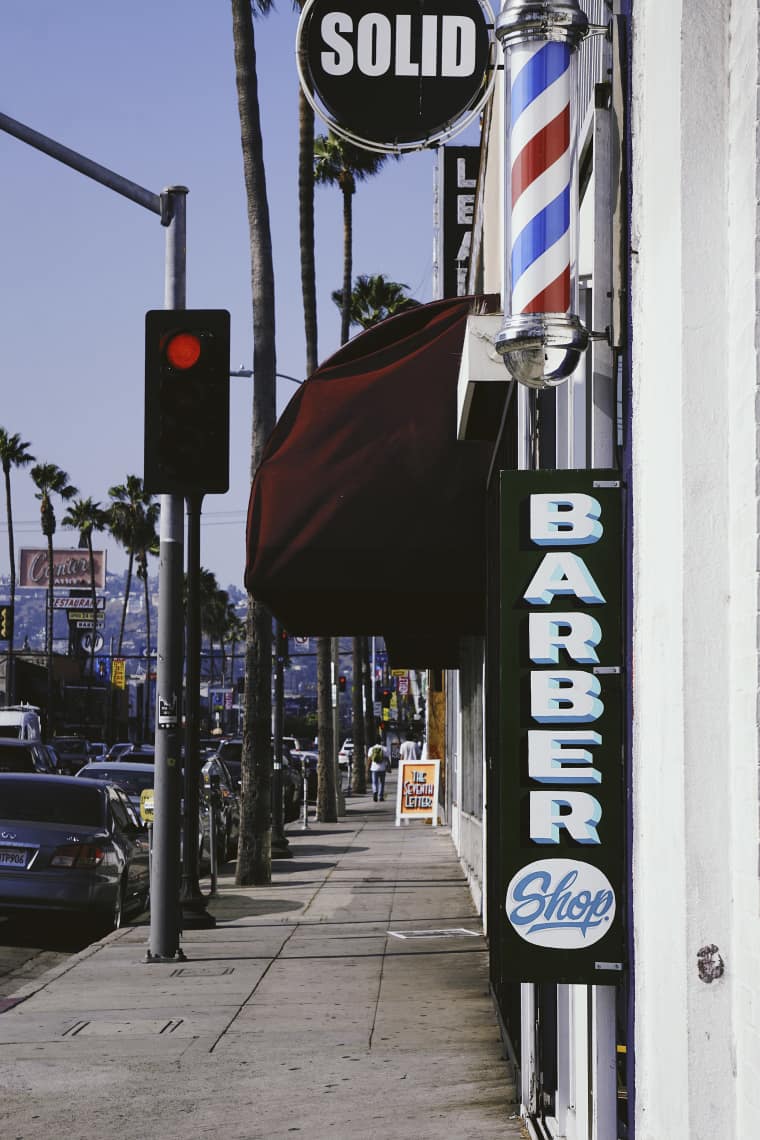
<point>540,168</point>
<point>541,339</point>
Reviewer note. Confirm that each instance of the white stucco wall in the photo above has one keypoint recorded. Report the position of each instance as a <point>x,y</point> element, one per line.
<point>695,787</point>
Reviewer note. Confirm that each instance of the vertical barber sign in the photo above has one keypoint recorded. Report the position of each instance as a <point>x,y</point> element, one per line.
<point>561,724</point>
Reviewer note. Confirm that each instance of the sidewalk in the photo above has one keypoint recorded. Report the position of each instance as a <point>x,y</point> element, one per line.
<point>299,1013</point>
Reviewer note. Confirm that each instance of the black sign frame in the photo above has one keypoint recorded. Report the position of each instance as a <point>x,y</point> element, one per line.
<point>357,91</point>
<point>561,884</point>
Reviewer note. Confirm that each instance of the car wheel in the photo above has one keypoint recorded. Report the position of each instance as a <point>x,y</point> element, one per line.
<point>117,914</point>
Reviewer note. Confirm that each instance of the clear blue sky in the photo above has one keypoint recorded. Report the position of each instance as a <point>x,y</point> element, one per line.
<point>148,89</point>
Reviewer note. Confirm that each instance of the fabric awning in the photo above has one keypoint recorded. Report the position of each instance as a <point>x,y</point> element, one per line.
<point>366,514</point>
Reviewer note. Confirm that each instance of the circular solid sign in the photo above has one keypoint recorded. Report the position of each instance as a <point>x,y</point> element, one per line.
<point>395,74</point>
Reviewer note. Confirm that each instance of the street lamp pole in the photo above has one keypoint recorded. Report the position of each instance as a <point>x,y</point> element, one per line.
<point>165,914</point>
<point>170,207</point>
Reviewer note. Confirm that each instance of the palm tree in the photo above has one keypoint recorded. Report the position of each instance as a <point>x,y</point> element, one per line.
<point>133,511</point>
<point>254,865</point>
<point>13,453</point>
<point>339,163</point>
<point>50,480</point>
<point>373,299</point>
<point>86,516</point>
<point>326,760</point>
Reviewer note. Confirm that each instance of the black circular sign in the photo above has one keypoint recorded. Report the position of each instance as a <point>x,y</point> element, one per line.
<point>394,73</point>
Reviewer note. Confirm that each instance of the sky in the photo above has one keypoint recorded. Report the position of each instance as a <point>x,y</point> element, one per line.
<point>147,89</point>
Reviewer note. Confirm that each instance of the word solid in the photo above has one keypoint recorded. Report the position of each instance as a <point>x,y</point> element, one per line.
<point>379,45</point>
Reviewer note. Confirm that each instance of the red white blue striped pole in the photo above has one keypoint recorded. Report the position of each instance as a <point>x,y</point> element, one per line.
<point>541,339</point>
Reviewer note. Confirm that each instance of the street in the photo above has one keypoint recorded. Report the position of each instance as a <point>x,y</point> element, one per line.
<point>30,947</point>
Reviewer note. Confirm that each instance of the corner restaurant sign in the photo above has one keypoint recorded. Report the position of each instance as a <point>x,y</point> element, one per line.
<point>561,725</point>
<point>395,75</point>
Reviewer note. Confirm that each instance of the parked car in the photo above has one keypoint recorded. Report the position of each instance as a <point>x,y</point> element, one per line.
<point>55,761</point>
<point>230,753</point>
<point>25,756</point>
<point>133,779</point>
<point>98,749</point>
<point>345,754</point>
<point>73,751</point>
<point>20,722</point>
<point>134,754</point>
<point>70,845</point>
<point>117,749</point>
<point>229,803</point>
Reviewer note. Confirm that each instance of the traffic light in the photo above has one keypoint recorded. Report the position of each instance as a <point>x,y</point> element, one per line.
<point>386,698</point>
<point>187,401</point>
<point>342,683</point>
<point>6,623</point>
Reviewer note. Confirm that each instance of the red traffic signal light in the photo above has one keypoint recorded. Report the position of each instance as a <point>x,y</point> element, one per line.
<point>183,350</point>
<point>342,683</point>
<point>187,401</point>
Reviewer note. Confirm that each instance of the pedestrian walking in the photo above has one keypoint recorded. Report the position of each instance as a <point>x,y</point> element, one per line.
<point>378,766</point>
<point>409,752</point>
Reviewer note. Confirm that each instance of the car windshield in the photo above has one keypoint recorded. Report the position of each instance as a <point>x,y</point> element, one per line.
<point>139,756</point>
<point>15,759</point>
<point>131,782</point>
<point>52,801</point>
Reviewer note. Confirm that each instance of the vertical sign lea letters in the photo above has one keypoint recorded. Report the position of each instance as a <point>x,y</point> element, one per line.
<point>561,721</point>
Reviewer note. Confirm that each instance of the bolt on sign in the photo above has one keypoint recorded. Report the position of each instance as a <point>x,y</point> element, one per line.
<point>561,725</point>
<point>417,794</point>
<point>388,76</point>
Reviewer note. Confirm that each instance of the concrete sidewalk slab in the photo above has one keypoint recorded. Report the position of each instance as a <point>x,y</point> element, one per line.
<point>301,1011</point>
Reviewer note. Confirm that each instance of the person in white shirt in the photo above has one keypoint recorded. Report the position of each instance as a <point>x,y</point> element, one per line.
<point>378,766</point>
<point>409,753</point>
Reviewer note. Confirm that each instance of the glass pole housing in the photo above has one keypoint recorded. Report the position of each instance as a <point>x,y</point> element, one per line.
<point>541,338</point>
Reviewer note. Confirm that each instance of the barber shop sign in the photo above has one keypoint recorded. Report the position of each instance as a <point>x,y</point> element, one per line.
<point>561,724</point>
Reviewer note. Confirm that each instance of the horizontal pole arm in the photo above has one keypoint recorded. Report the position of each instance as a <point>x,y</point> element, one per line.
<point>86,166</point>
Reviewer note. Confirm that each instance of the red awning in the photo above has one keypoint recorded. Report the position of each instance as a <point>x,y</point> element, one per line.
<point>366,514</point>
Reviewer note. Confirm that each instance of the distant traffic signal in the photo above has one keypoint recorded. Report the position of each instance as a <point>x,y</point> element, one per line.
<point>342,683</point>
<point>187,401</point>
<point>6,623</point>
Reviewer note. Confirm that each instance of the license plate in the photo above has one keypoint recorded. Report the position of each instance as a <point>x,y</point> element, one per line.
<point>12,857</point>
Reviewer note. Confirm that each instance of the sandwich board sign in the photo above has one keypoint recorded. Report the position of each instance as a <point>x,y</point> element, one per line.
<point>417,792</point>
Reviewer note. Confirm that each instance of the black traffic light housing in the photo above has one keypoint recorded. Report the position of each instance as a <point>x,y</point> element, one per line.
<point>187,401</point>
<point>342,683</point>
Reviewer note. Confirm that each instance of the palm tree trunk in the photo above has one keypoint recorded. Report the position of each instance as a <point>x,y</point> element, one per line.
<point>49,641</point>
<point>254,864</point>
<point>10,680</point>
<point>348,238</point>
<point>370,728</point>
<point>306,227</point>
<point>326,799</point>
<point>94,597</point>
<point>359,773</point>
<point>146,700</point>
<point>127,589</point>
